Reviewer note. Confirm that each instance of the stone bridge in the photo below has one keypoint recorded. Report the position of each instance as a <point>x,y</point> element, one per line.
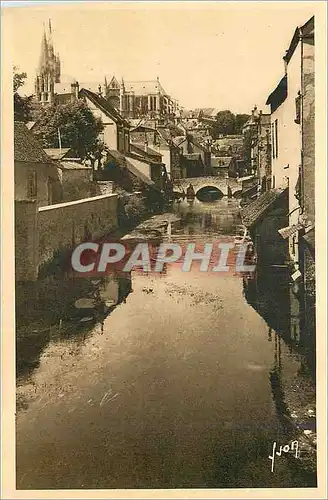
<point>199,183</point>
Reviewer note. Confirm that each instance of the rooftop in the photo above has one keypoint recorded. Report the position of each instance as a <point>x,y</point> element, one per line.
<point>145,87</point>
<point>255,210</point>
<point>104,105</point>
<point>279,94</point>
<point>73,165</point>
<point>127,163</point>
<point>27,148</point>
<point>57,153</point>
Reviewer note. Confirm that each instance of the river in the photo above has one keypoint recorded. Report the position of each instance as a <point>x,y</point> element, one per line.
<point>180,384</point>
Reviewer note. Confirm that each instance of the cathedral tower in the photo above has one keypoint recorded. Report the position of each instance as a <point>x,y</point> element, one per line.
<point>48,70</point>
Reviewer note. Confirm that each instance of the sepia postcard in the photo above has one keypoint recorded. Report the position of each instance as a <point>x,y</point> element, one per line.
<point>164,216</point>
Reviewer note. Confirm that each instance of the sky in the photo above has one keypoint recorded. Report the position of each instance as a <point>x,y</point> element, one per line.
<point>226,55</point>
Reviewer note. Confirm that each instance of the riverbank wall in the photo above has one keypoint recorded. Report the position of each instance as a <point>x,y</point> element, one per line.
<point>44,235</point>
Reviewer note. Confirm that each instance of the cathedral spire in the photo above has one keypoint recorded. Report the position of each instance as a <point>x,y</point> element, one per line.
<point>51,53</point>
<point>49,68</point>
<point>43,61</point>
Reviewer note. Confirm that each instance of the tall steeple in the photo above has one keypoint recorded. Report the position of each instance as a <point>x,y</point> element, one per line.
<point>43,60</point>
<point>48,70</point>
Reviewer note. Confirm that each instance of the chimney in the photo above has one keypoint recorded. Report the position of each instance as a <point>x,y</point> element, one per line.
<point>74,90</point>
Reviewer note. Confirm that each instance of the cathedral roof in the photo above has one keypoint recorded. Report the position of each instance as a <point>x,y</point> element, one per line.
<point>145,87</point>
<point>113,84</point>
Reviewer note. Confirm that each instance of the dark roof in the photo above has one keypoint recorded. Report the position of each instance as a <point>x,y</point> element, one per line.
<point>104,105</point>
<point>306,30</point>
<point>122,161</point>
<point>27,148</point>
<point>279,95</point>
<point>148,154</point>
<point>249,192</point>
<point>255,210</point>
<point>164,134</point>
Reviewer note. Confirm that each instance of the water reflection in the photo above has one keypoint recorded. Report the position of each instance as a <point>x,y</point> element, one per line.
<point>281,305</point>
<point>213,217</point>
<point>170,391</point>
<point>67,309</point>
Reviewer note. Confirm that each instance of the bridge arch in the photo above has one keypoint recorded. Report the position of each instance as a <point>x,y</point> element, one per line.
<point>209,193</point>
<point>222,184</point>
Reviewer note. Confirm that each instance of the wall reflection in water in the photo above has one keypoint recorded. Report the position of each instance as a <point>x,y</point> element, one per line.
<point>53,310</point>
<point>282,304</point>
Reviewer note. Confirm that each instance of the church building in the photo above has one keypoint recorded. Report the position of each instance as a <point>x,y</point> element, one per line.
<point>132,99</point>
<point>48,73</point>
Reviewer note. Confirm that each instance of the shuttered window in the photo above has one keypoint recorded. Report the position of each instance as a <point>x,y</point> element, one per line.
<point>31,184</point>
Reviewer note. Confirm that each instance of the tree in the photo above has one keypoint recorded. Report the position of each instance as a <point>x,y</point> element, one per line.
<point>225,124</point>
<point>22,104</point>
<point>240,121</point>
<point>73,124</point>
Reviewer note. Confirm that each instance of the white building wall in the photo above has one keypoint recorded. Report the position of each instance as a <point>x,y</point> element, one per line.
<point>110,128</point>
<point>285,167</point>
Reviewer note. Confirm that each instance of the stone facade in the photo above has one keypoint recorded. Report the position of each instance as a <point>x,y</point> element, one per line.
<point>46,233</point>
<point>26,240</point>
<point>65,225</point>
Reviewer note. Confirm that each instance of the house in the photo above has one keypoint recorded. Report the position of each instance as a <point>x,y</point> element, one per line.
<point>195,158</point>
<point>125,173</point>
<point>224,166</point>
<point>160,139</point>
<point>292,130</point>
<point>36,174</point>
<point>257,147</point>
<point>283,217</point>
<point>76,180</point>
<point>263,217</point>
<point>116,133</point>
<point>229,145</point>
<point>116,137</point>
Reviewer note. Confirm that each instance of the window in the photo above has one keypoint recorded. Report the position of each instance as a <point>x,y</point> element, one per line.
<point>31,184</point>
<point>274,134</point>
<point>126,145</point>
<point>298,109</point>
